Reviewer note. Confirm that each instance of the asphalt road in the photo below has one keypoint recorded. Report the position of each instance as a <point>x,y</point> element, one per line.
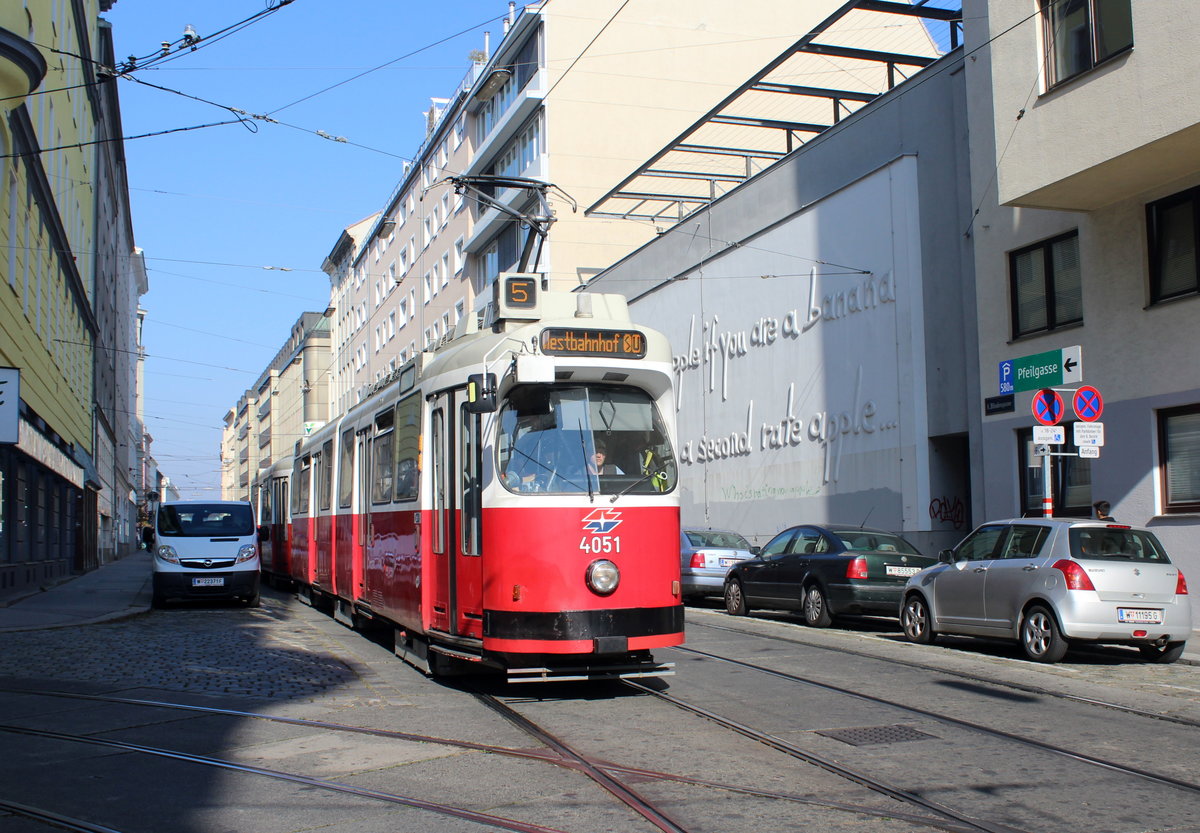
<point>92,731</point>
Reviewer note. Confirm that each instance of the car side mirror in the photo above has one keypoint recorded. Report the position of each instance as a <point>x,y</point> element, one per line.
<point>756,550</point>
<point>946,556</point>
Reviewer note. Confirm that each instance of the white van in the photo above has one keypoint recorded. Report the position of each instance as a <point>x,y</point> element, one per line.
<point>204,549</point>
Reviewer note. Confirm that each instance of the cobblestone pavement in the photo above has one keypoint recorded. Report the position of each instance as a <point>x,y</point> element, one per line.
<point>272,652</point>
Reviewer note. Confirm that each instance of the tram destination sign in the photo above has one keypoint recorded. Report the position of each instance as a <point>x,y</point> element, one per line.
<point>1042,370</point>
<point>613,344</point>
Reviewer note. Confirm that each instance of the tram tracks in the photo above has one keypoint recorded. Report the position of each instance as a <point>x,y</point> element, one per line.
<point>558,753</point>
<point>1092,760</point>
<point>616,778</point>
<point>973,678</point>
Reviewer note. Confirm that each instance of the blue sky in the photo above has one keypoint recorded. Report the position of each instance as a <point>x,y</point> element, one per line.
<point>212,207</point>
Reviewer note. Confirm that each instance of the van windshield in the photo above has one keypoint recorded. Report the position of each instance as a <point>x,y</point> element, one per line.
<point>205,520</point>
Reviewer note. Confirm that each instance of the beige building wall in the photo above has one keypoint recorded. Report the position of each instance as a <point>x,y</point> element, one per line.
<point>621,81</point>
<point>1128,124</point>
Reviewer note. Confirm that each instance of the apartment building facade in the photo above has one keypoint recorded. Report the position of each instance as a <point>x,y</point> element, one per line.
<point>288,401</point>
<point>575,95</point>
<point>1086,172</point>
<point>69,283</point>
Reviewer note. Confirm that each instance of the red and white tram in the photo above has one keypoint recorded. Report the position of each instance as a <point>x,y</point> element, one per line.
<point>506,501</point>
<point>271,507</point>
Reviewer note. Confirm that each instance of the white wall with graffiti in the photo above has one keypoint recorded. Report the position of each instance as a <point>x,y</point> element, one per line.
<point>795,366</point>
<point>821,317</point>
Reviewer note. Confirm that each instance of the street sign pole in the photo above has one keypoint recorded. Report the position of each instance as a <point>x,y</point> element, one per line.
<point>1047,492</point>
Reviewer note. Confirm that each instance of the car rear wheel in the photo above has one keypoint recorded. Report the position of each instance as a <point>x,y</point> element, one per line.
<point>1164,654</point>
<point>916,621</point>
<point>1040,637</point>
<point>816,608</point>
<point>735,601</point>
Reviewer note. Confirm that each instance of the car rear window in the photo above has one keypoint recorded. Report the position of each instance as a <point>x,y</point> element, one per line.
<point>712,538</point>
<point>863,541</point>
<point>1112,544</point>
<point>206,520</point>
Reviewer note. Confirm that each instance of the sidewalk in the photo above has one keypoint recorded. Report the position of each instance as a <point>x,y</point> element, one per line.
<point>115,590</point>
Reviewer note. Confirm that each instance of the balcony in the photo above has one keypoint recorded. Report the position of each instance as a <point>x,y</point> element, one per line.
<point>524,105</point>
<point>22,69</point>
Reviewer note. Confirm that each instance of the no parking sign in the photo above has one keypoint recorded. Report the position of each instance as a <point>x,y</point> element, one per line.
<point>1088,403</point>
<point>1048,406</point>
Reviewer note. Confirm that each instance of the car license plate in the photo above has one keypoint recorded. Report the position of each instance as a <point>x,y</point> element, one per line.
<point>893,570</point>
<point>213,581</point>
<point>1139,615</point>
<point>729,562</point>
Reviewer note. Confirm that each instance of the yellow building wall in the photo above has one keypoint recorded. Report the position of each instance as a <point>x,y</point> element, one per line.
<point>44,323</point>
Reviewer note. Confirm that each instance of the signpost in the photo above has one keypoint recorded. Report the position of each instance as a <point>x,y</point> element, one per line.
<point>1042,370</point>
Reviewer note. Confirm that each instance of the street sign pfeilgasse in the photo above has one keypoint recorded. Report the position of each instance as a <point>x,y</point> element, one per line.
<point>1042,370</point>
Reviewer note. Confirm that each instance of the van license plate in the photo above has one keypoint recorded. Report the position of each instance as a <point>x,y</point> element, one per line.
<point>214,581</point>
<point>1139,615</point>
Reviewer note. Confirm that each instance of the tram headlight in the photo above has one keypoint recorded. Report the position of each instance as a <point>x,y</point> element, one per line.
<point>167,553</point>
<point>603,577</point>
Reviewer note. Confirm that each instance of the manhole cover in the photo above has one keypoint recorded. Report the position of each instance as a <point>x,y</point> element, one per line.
<point>871,735</point>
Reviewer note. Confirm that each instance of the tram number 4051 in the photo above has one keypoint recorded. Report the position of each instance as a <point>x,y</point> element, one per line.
<point>600,543</point>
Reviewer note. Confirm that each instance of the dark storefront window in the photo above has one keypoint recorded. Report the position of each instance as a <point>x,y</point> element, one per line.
<point>1070,478</point>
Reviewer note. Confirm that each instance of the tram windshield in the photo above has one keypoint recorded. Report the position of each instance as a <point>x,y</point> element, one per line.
<point>584,439</point>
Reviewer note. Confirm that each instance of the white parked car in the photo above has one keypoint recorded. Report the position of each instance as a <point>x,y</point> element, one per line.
<point>1050,582</point>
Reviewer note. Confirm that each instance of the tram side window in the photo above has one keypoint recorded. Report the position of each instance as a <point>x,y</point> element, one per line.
<point>408,443</point>
<point>381,467</point>
<point>346,470</point>
<point>326,496</point>
<point>301,485</point>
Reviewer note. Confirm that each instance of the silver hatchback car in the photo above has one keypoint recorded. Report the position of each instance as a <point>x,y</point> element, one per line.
<point>1050,582</point>
<point>705,556</point>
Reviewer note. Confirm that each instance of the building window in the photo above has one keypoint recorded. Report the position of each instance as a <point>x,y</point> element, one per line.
<point>1179,452</point>
<point>1173,225</point>
<point>1081,34</point>
<point>1070,478</point>
<point>1046,291</point>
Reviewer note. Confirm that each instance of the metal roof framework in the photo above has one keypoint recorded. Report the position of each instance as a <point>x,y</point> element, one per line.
<point>843,66</point>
